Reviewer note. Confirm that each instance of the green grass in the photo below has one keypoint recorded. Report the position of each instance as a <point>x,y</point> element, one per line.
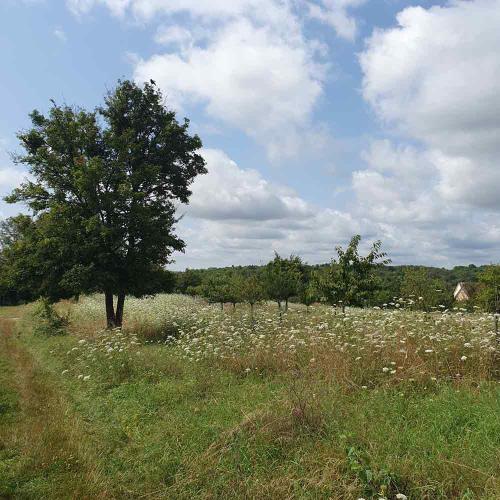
<point>162,427</point>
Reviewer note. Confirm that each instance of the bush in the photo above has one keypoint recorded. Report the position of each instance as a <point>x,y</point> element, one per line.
<point>48,322</point>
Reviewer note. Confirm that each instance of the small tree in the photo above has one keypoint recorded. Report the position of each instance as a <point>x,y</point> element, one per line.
<point>252,291</point>
<point>307,294</point>
<point>282,278</point>
<point>235,289</point>
<point>187,280</point>
<point>350,279</point>
<point>104,190</point>
<point>215,289</point>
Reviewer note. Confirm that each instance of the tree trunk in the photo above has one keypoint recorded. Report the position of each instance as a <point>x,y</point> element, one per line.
<point>343,308</point>
<point>222,306</point>
<point>286,305</point>
<point>110,310</point>
<point>119,310</point>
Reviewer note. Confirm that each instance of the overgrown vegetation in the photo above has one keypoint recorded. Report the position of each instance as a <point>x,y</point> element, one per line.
<point>187,401</point>
<point>426,288</point>
<point>47,321</point>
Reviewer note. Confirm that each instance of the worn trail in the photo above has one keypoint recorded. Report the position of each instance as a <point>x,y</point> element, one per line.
<point>43,438</point>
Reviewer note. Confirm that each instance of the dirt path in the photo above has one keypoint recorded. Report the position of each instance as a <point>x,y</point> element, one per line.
<point>48,442</point>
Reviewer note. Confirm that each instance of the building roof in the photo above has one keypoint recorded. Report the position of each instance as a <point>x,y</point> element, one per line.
<point>468,287</point>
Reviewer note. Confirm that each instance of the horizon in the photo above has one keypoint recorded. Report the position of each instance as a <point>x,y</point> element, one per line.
<point>328,263</point>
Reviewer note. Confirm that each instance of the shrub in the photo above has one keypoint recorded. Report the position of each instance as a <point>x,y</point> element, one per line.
<point>48,322</point>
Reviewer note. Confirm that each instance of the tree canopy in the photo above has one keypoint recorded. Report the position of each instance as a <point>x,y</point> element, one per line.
<point>489,293</point>
<point>103,193</point>
<point>350,278</point>
<point>282,278</point>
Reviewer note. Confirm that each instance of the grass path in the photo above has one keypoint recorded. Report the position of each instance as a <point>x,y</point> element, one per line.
<point>42,443</point>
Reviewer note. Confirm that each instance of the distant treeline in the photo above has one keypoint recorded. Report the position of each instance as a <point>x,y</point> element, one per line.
<point>390,279</point>
<point>348,280</point>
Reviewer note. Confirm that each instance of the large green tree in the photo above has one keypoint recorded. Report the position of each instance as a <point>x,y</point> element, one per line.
<point>104,190</point>
<point>350,278</point>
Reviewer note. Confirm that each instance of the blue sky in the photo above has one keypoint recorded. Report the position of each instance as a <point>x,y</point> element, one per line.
<point>319,118</point>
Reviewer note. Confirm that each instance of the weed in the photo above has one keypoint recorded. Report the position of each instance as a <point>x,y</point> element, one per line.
<point>47,321</point>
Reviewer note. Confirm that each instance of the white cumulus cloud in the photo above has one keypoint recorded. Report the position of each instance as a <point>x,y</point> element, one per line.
<point>236,216</point>
<point>249,64</point>
<point>435,78</point>
<point>248,77</point>
<point>228,192</point>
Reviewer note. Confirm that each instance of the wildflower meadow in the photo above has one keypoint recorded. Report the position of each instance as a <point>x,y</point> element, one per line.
<point>189,400</point>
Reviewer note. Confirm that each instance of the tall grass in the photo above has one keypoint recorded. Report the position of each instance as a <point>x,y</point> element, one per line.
<point>190,402</point>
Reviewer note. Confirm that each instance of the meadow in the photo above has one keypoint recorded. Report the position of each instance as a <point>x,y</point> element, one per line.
<point>188,401</point>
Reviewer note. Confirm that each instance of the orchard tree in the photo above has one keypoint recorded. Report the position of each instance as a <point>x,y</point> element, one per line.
<point>235,288</point>
<point>282,278</point>
<point>103,191</point>
<point>307,294</point>
<point>349,279</point>
<point>252,291</point>
<point>215,288</point>
<point>188,281</point>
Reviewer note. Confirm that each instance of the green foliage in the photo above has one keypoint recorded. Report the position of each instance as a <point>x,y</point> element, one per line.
<point>349,280</point>
<point>235,288</point>
<point>103,194</point>
<point>307,294</point>
<point>388,278</point>
<point>252,291</point>
<point>423,292</point>
<point>188,281</point>
<point>282,278</point>
<point>47,321</point>
<point>216,289</point>
<point>376,483</point>
<point>488,296</point>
